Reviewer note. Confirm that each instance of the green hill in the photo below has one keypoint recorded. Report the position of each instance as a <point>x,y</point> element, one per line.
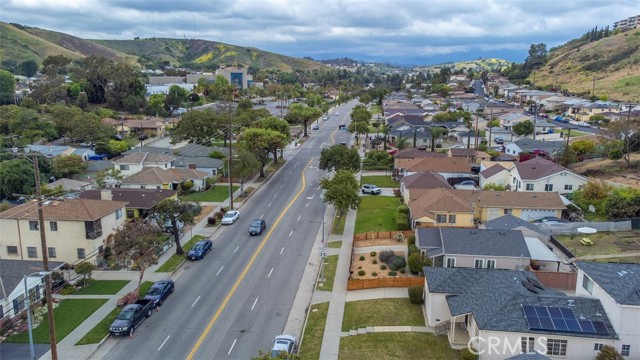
<point>479,65</point>
<point>609,67</point>
<point>17,45</point>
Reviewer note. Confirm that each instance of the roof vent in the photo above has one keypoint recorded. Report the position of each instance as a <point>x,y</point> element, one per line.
<point>570,302</point>
<point>598,314</point>
<point>582,318</point>
<point>501,233</point>
<point>472,231</point>
<point>622,273</point>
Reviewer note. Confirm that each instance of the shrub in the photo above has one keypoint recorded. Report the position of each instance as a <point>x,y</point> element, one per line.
<point>128,298</point>
<point>415,294</point>
<point>608,353</point>
<point>383,267</point>
<point>403,209</point>
<point>373,253</point>
<point>361,272</point>
<point>374,273</point>
<point>402,271</point>
<point>397,263</point>
<point>374,261</point>
<point>362,257</point>
<point>412,250</point>
<point>397,193</point>
<point>84,282</point>
<point>399,236</point>
<point>211,220</point>
<point>417,261</point>
<point>392,273</point>
<point>386,256</point>
<point>411,240</point>
<point>402,222</point>
<point>219,215</point>
<point>67,289</point>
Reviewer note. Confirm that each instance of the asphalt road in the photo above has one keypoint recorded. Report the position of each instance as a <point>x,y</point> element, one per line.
<point>235,301</point>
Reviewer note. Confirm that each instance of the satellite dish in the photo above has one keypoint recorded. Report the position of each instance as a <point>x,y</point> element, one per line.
<point>592,208</point>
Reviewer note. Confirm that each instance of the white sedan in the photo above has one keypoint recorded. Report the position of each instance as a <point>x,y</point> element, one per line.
<point>583,123</point>
<point>230,217</point>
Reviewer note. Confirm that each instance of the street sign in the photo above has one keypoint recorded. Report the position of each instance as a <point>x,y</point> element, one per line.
<point>323,251</point>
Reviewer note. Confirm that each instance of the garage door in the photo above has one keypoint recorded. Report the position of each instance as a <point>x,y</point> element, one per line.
<point>493,213</point>
<point>534,214</point>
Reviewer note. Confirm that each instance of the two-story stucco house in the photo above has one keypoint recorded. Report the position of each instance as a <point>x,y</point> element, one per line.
<point>75,229</point>
<point>136,161</point>
<point>617,286</point>
<point>504,313</point>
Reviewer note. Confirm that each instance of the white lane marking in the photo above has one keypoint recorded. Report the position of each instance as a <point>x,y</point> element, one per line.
<point>270,272</point>
<point>275,196</point>
<point>219,271</point>
<point>261,216</point>
<point>291,233</point>
<point>307,205</point>
<point>312,196</point>
<point>269,205</point>
<point>281,186</point>
<point>232,345</point>
<point>165,340</point>
<point>254,304</point>
<point>299,217</point>
<point>195,301</point>
<point>234,251</point>
<point>281,251</point>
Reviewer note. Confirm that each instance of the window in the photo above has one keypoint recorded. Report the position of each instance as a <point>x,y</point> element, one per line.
<point>142,187</point>
<point>556,347</point>
<point>124,167</point>
<point>130,214</point>
<point>80,253</point>
<point>451,262</point>
<point>568,187</point>
<point>491,264</point>
<point>587,283</point>
<point>597,347</point>
<point>478,263</point>
<point>12,250</point>
<point>53,225</point>
<point>452,219</point>
<point>52,252</point>
<point>527,345</point>
<point>118,214</point>
<point>508,211</point>
<point>441,218</point>
<point>1,312</point>
<point>514,180</point>
<point>33,225</point>
<point>32,252</point>
<point>529,187</point>
<point>548,187</point>
<point>626,350</point>
<point>18,304</point>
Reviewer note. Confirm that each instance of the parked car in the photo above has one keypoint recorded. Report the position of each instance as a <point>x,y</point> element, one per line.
<point>325,118</point>
<point>283,343</point>
<point>498,140</point>
<point>257,227</point>
<point>87,144</point>
<point>118,137</point>
<point>143,136</point>
<point>160,291</point>
<point>230,217</point>
<point>200,249</point>
<point>550,220</point>
<point>371,189</point>
<point>467,182</point>
<point>337,114</point>
<point>131,317</point>
<point>583,123</point>
<point>315,127</point>
<point>457,147</point>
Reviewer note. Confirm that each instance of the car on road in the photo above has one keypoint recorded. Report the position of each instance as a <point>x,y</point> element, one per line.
<point>342,127</point>
<point>583,123</point>
<point>325,118</point>
<point>283,344</point>
<point>498,140</point>
<point>87,144</point>
<point>257,227</point>
<point>456,147</point>
<point>131,317</point>
<point>230,217</point>
<point>315,127</point>
<point>160,291</point>
<point>200,249</point>
<point>337,114</point>
<point>371,189</point>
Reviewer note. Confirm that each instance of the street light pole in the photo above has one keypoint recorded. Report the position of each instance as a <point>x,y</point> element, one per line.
<point>229,162</point>
<point>28,307</point>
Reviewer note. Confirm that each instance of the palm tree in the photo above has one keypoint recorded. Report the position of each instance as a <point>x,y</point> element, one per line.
<point>436,133</point>
<point>402,143</point>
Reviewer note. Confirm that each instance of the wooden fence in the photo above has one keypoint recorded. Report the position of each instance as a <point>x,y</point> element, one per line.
<point>557,280</point>
<point>380,235</point>
<point>392,281</point>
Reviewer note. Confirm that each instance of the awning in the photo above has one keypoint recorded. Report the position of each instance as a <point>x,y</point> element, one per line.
<point>540,251</point>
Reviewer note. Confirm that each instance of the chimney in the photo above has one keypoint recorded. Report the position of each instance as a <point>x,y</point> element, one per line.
<point>105,194</point>
<point>192,166</point>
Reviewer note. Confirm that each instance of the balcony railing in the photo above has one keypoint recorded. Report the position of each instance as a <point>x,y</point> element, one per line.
<point>94,234</point>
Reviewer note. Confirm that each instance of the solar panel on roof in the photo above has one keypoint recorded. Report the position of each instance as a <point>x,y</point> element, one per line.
<point>534,323</point>
<point>529,310</point>
<point>600,328</point>
<point>542,311</point>
<point>546,324</point>
<point>567,313</point>
<point>559,324</point>
<point>587,326</point>
<point>555,312</point>
<point>573,325</point>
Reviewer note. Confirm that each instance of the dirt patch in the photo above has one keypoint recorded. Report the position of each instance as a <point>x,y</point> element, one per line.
<point>371,265</point>
<point>206,209</point>
<point>623,175</point>
<point>377,242</point>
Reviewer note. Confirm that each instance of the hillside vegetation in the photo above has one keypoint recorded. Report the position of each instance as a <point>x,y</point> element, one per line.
<point>479,65</point>
<point>614,63</point>
<point>18,45</point>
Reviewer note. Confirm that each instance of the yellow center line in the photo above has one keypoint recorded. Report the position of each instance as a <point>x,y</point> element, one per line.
<point>246,269</point>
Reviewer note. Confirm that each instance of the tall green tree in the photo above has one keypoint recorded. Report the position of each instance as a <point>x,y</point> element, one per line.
<point>523,128</point>
<point>259,142</point>
<point>28,68</point>
<point>65,165</point>
<point>436,133</point>
<point>175,97</point>
<point>174,211</point>
<point>339,157</point>
<point>243,165</point>
<point>109,178</point>
<point>342,191</point>
<point>301,114</point>
<point>200,127</point>
<point>7,87</point>
<point>16,177</point>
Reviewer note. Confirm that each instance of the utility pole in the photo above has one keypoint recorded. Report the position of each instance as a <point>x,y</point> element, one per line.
<point>566,150</point>
<point>45,262</point>
<point>490,120</point>
<point>477,132</point>
<point>230,155</point>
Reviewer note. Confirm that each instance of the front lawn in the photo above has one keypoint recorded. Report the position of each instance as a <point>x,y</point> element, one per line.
<point>330,264</point>
<point>383,181</point>
<point>144,287</point>
<point>175,260</point>
<point>217,193</point>
<point>338,223</point>
<point>377,213</point>
<point>397,345</point>
<point>381,312</point>
<point>604,243</point>
<point>102,287</point>
<point>68,315</point>
<point>314,332</point>
<point>101,330</point>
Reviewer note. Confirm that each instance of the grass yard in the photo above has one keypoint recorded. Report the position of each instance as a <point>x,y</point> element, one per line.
<point>102,287</point>
<point>603,243</point>
<point>335,244</point>
<point>338,224</point>
<point>175,260</point>
<point>217,193</point>
<point>68,315</point>
<point>380,214</point>
<point>330,264</point>
<point>399,345</point>
<point>144,287</point>
<point>382,181</point>
<point>101,330</point>
<point>313,332</point>
<point>381,312</point>
<point>575,133</point>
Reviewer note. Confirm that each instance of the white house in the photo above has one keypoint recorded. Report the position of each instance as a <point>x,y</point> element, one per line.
<point>75,229</point>
<point>136,161</point>
<point>504,313</point>
<point>533,146</point>
<point>617,286</point>
<point>157,178</point>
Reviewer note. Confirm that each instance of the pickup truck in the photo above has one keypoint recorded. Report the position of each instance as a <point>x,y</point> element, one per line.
<point>130,317</point>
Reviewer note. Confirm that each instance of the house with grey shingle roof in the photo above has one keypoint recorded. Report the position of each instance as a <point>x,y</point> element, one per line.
<point>134,162</point>
<point>531,146</point>
<point>510,222</point>
<point>170,179</point>
<point>513,311</point>
<point>617,286</point>
<point>474,248</point>
<point>191,156</point>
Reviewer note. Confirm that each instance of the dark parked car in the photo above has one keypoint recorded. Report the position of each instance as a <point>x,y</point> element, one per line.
<point>200,249</point>
<point>498,140</point>
<point>130,317</point>
<point>160,291</point>
<point>257,227</point>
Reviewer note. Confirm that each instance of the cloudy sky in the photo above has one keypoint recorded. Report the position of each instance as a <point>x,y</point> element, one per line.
<point>398,31</point>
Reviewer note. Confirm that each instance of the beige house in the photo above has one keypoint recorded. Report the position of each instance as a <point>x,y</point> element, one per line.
<point>136,161</point>
<point>75,229</point>
<point>170,179</point>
